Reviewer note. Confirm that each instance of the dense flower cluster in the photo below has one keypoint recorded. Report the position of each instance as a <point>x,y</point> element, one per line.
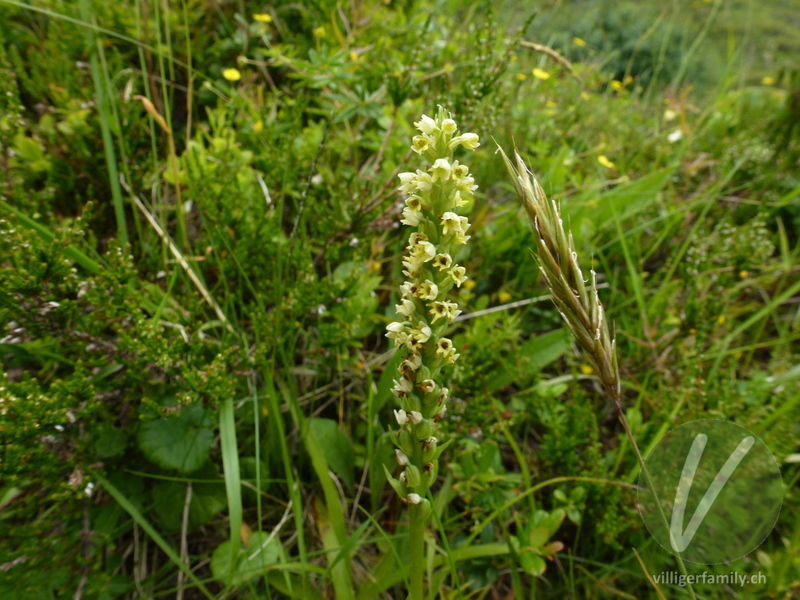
<point>432,199</point>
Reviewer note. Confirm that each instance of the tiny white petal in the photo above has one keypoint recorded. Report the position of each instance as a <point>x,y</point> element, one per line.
<point>402,459</point>
<point>426,125</point>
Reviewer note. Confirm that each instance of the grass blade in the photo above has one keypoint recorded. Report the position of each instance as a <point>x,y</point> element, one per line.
<point>105,129</point>
<point>233,484</point>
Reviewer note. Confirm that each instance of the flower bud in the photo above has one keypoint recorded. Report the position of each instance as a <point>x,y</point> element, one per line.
<point>431,398</point>
<point>426,386</point>
<point>402,459</point>
<point>468,140</point>
<point>425,509</point>
<point>406,442</point>
<point>440,170</point>
<point>423,430</point>
<point>429,449</point>
<point>426,125</point>
<point>424,372</point>
<point>413,476</point>
<point>429,473</point>
<point>401,417</point>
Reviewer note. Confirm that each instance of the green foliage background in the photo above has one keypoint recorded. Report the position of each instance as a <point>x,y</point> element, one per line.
<point>196,271</point>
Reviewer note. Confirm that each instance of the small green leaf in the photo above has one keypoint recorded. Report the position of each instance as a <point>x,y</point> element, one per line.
<point>541,351</point>
<point>396,484</point>
<point>532,563</point>
<point>30,151</point>
<point>538,537</point>
<point>441,448</point>
<point>181,443</point>
<point>555,519</point>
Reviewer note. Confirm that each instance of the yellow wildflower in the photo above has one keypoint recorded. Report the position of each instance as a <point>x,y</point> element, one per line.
<point>541,73</point>
<point>587,369</point>
<point>721,320</point>
<point>263,18</point>
<point>603,160</point>
<point>503,297</point>
<point>616,85</point>
<point>232,74</point>
<point>320,32</point>
<point>744,274</point>
<point>258,126</point>
<point>353,55</point>
<point>768,81</point>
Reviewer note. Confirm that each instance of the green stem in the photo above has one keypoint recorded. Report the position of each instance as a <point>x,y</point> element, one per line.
<point>416,565</point>
<point>652,488</point>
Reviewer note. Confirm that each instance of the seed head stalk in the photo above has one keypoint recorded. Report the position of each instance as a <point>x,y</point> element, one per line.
<point>433,199</point>
<point>579,305</point>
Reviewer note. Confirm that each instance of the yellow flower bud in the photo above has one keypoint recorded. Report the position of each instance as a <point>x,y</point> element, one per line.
<point>232,74</point>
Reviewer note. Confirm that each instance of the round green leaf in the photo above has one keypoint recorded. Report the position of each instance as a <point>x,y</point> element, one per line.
<point>181,443</point>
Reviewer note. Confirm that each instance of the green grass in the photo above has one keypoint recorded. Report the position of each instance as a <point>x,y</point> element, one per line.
<point>226,278</point>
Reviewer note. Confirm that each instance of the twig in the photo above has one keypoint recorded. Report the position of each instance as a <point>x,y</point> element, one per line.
<point>184,542</point>
<point>304,196</point>
<point>647,574</point>
<point>552,54</point>
<point>286,514</point>
<point>86,542</point>
<point>510,305</point>
<point>178,255</point>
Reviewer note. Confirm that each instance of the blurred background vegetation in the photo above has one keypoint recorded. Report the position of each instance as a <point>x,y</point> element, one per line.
<point>200,253</point>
